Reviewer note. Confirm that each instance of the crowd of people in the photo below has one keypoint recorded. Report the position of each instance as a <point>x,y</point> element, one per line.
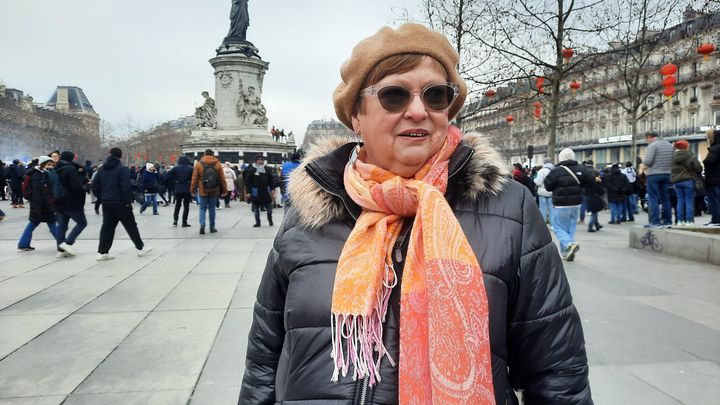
<point>670,179</point>
<point>56,188</point>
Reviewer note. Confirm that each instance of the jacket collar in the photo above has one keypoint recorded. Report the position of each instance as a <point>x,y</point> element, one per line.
<point>317,192</point>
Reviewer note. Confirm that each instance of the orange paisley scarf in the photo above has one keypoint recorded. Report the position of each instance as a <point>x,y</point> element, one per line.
<point>444,326</point>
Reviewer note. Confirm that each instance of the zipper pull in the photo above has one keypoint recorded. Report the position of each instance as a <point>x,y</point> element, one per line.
<point>398,253</point>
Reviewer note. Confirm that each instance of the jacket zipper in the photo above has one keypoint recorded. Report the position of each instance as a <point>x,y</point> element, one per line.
<point>363,393</point>
<point>464,162</point>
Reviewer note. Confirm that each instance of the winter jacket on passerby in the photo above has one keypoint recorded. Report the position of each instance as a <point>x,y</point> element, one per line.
<point>150,182</point>
<point>112,182</point>
<point>72,181</point>
<point>15,174</point>
<point>594,195</point>
<point>566,189</point>
<point>259,185</point>
<point>536,335</point>
<point>712,162</point>
<point>180,176</point>
<point>540,180</point>
<point>658,157</point>
<point>617,185</point>
<point>197,186</point>
<point>230,177</point>
<point>685,166</point>
<point>41,205</point>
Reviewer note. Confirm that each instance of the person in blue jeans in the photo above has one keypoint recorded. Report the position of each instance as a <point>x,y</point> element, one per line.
<point>41,207</point>
<point>618,188</point>
<point>566,181</point>
<point>150,181</point>
<point>658,161</point>
<point>71,205</point>
<point>208,183</point>
<point>712,177</point>
<point>686,170</point>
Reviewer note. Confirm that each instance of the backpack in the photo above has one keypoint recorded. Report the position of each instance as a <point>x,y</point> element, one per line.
<point>26,187</point>
<point>210,178</point>
<point>56,187</point>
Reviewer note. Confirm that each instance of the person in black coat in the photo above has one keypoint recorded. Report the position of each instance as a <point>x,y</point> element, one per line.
<point>593,197</point>
<point>178,180</point>
<point>567,181</point>
<point>3,182</point>
<point>618,189</point>
<point>15,175</point>
<point>41,205</point>
<point>72,204</point>
<point>527,340</point>
<point>258,186</point>
<point>112,186</point>
<point>712,177</point>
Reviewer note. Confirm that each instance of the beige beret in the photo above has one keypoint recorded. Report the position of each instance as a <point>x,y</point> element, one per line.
<point>408,38</point>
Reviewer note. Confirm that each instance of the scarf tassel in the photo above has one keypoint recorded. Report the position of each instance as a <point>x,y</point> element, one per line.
<point>361,336</point>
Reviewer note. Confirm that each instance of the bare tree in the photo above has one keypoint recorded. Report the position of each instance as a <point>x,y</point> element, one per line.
<point>641,42</point>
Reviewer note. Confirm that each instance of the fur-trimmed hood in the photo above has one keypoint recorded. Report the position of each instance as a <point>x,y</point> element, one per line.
<point>481,169</point>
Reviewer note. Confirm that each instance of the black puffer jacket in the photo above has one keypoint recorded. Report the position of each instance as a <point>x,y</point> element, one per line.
<point>41,206</point>
<point>112,182</point>
<point>180,176</point>
<point>72,182</point>
<point>712,162</point>
<point>617,185</point>
<point>536,336</point>
<point>566,189</point>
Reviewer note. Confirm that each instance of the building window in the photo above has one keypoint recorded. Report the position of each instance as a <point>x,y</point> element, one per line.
<point>717,117</point>
<point>600,157</point>
<point>615,155</point>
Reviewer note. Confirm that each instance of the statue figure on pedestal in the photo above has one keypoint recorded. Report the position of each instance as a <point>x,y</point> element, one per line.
<point>253,112</point>
<point>239,20</point>
<point>205,114</point>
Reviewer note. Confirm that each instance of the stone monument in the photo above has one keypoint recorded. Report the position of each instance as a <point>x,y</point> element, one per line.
<point>235,123</point>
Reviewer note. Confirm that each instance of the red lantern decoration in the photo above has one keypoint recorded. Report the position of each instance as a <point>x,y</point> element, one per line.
<point>574,85</point>
<point>510,119</point>
<point>537,104</point>
<point>668,69</point>
<point>490,93</point>
<point>705,50</point>
<point>567,53</point>
<point>669,81</point>
<point>539,81</point>
<point>669,92</point>
<point>173,158</point>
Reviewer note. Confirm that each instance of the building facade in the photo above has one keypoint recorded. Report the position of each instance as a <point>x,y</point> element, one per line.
<point>323,128</point>
<point>66,122</point>
<point>593,120</point>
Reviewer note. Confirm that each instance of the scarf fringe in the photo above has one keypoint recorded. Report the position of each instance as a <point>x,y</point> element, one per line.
<point>361,336</point>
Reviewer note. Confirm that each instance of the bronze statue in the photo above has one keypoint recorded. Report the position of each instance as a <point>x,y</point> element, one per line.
<point>239,20</point>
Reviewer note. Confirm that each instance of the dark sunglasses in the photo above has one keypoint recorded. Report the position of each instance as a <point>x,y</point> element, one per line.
<point>394,98</point>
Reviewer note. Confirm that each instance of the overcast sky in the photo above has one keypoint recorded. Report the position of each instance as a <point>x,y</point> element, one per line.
<point>147,61</point>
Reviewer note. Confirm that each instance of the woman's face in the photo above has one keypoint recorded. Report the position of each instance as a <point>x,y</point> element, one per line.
<point>386,134</point>
<point>55,157</point>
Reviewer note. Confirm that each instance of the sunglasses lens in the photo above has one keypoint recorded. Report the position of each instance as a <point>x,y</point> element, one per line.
<point>438,97</point>
<point>394,98</point>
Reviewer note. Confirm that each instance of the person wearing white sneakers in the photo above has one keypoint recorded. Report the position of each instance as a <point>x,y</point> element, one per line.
<point>112,186</point>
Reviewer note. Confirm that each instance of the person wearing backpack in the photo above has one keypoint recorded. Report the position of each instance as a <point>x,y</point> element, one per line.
<point>112,186</point>
<point>69,199</point>
<point>208,183</point>
<point>179,178</point>
<point>41,207</point>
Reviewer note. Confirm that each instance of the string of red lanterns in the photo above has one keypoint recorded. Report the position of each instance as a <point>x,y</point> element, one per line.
<point>668,71</point>
<point>705,50</point>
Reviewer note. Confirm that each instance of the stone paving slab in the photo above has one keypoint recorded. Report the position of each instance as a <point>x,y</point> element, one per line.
<point>166,352</point>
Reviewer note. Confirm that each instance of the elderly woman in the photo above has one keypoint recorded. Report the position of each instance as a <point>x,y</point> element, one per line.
<point>409,269</point>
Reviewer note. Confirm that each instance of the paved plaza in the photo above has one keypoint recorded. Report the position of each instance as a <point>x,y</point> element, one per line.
<point>171,328</point>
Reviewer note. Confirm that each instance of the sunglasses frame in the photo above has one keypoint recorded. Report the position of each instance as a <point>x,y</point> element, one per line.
<point>374,91</point>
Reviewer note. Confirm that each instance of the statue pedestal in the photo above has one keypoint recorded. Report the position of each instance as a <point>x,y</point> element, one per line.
<point>241,131</point>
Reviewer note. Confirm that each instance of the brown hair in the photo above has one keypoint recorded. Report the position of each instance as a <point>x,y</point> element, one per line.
<point>399,63</point>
